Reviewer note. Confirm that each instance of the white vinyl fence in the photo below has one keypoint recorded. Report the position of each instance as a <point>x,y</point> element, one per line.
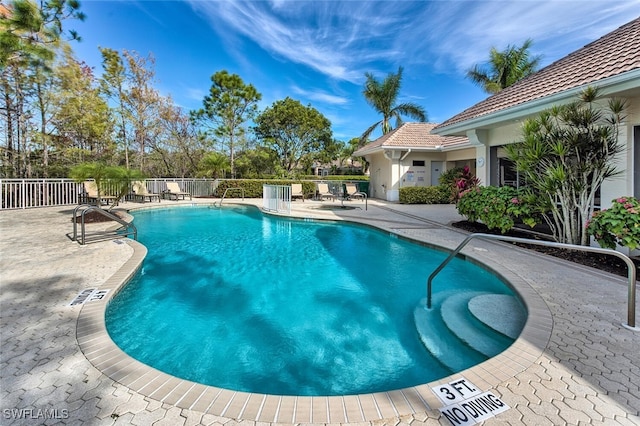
<point>30,193</point>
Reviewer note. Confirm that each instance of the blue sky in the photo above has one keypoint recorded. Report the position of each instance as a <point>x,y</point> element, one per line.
<point>318,51</point>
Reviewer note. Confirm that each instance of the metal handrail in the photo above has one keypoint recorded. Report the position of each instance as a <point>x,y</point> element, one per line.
<point>88,208</point>
<point>356,194</point>
<point>225,194</point>
<point>631,267</point>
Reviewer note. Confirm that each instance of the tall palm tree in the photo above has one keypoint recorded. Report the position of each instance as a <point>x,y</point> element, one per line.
<point>505,68</point>
<point>382,96</point>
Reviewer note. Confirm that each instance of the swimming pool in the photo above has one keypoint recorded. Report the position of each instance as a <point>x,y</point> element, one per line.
<point>235,299</point>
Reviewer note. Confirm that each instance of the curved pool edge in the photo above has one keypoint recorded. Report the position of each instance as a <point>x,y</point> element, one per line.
<point>107,357</point>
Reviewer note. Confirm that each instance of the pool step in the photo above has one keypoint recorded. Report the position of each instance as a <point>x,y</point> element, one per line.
<point>501,312</point>
<point>459,319</point>
<point>482,325</point>
<point>446,348</point>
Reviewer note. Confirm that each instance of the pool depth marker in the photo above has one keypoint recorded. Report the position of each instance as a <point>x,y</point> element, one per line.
<point>88,295</point>
<point>466,404</point>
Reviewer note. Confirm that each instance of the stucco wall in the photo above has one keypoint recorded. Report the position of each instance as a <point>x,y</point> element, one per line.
<point>623,183</point>
<point>387,176</point>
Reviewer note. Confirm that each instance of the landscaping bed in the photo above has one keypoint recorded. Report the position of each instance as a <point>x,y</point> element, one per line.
<point>599,261</point>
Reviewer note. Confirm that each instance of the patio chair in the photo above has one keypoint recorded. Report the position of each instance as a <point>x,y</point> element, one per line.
<point>351,192</point>
<point>323,191</point>
<point>173,190</point>
<point>140,190</point>
<point>296,191</point>
<point>91,194</point>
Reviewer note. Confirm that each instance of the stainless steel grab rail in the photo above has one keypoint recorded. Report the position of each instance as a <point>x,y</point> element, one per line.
<point>631,296</point>
<point>87,208</point>
<point>225,194</point>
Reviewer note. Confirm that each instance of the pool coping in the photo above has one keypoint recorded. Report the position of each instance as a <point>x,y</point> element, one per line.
<point>107,357</point>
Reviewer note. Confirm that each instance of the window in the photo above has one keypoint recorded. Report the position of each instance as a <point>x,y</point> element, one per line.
<point>418,163</point>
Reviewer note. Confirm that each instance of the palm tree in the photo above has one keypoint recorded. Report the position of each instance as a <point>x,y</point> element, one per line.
<point>382,96</point>
<point>505,68</point>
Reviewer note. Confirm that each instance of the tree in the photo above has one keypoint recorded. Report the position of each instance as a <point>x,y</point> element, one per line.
<point>143,102</point>
<point>214,165</point>
<point>176,146</point>
<point>229,105</point>
<point>112,84</point>
<point>30,35</point>
<point>82,119</point>
<point>105,177</point>
<point>259,162</point>
<point>565,154</point>
<point>31,32</point>
<point>505,68</point>
<point>292,131</point>
<point>128,80</point>
<point>382,96</point>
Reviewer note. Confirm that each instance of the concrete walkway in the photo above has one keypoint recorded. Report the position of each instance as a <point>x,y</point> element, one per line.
<point>574,364</point>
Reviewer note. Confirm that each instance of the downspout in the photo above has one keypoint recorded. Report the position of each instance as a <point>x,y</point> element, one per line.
<point>400,169</point>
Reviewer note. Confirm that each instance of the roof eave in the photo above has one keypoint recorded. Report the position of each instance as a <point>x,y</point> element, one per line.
<point>382,148</point>
<point>608,86</point>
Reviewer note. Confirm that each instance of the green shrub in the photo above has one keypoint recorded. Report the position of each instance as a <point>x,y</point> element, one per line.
<point>253,187</point>
<point>425,195</point>
<point>497,207</point>
<point>619,224</point>
<point>448,177</point>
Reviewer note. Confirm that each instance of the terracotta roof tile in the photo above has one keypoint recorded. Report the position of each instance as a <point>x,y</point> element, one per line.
<point>413,135</point>
<point>613,54</point>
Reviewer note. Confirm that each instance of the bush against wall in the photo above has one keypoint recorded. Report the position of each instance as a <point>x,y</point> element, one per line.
<point>565,155</point>
<point>619,224</point>
<point>497,207</point>
<point>438,194</point>
<point>463,181</point>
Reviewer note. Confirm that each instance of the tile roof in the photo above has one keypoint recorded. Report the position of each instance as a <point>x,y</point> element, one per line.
<point>4,11</point>
<point>611,55</point>
<point>413,135</point>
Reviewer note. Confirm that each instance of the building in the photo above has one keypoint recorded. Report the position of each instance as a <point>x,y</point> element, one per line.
<point>611,63</point>
<point>412,156</point>
<point>416,153</point>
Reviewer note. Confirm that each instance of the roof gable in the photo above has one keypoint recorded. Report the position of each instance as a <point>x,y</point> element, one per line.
<point>611,55</point>
<point>412,135</point>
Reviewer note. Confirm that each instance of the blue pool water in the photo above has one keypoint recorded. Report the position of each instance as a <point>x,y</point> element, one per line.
<point>237,299</point>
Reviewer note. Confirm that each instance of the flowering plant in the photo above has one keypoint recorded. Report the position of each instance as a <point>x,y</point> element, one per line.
<point>619,224</point>
<point>498,208</point>
<point>464,181</point>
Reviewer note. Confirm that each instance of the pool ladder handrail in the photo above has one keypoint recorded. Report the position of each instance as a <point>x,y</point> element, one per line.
<point>225,194</point>
<point>355,194</point>
<point>631,267</point>
<point>129,227</point>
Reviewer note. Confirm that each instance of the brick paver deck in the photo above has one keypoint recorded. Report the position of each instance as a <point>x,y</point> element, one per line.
<point>574,363</point>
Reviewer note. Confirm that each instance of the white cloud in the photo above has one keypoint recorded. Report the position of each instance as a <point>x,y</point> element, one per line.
<point>461,33</point>
<point>344,39</point>
<point>337,39</point>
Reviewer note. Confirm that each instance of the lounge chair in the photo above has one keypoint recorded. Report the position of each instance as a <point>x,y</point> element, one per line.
<point>296,191</point>
<point>323,191</point>
<point>140,190</point>
<point>91,194</point>
<point>351,191</point>
<point>173,190</point>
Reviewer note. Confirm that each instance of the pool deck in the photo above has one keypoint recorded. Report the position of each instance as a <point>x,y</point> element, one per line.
<point>575,363</point>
